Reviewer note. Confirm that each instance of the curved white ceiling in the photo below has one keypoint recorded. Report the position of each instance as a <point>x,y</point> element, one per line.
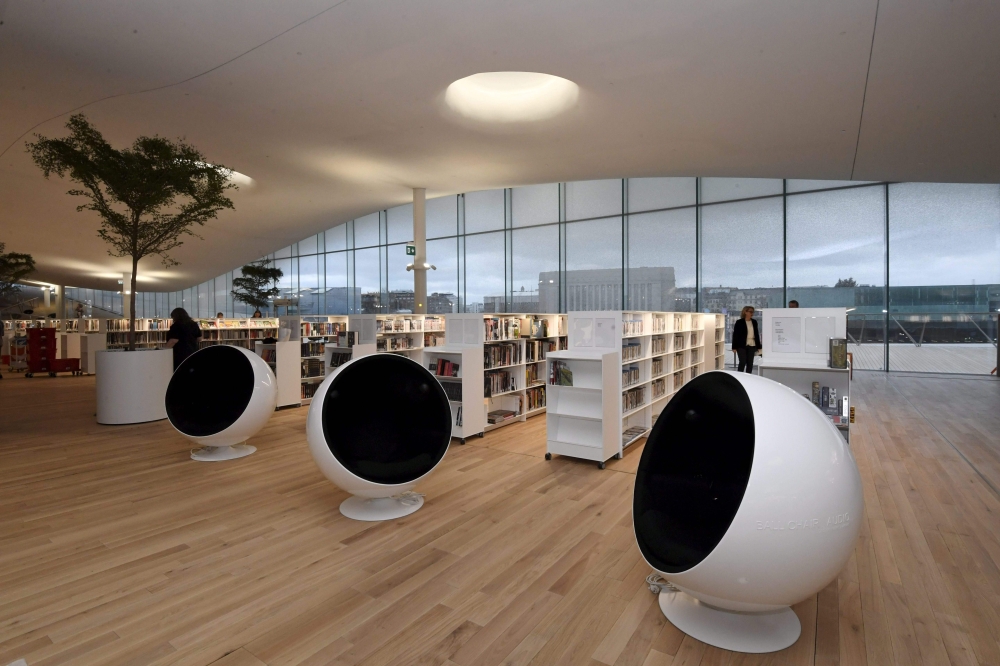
<point>336,109</point>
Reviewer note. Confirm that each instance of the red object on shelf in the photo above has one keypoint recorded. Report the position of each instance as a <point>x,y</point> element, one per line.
<point>42,353</point>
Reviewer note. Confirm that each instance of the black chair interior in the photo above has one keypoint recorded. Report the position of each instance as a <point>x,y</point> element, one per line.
<point>210,391</point>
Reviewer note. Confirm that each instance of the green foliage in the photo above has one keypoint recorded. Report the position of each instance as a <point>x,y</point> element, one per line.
<point>147,196</point>
<point>13,267</point>
<point>257,285</point>
<point>846,282</point>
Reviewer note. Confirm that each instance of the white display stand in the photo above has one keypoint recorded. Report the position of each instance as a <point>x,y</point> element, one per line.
<point>131,386</point>
<point>800,336</point>
<point>467,416</point>
<point>800,379</point>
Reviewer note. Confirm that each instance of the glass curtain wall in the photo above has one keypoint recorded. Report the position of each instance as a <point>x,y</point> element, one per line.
<point>916,264</point>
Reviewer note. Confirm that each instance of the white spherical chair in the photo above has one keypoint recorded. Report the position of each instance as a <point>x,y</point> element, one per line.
<point>377,426</point>
<point>219,397</point>
<point>747,500</point>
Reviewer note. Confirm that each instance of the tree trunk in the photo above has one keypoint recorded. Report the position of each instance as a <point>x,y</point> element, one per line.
<point>131,309</point>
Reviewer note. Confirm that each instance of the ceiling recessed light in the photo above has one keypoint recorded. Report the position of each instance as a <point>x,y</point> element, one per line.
<point>511,97</point>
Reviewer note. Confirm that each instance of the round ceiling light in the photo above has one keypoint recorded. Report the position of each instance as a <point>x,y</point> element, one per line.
<point>511,97</point>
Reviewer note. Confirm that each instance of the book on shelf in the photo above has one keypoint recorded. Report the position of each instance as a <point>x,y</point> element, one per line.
<point>658,388</point>
<point>312,367</point>
<point>500,415</point>
<point>458,416</point>
<point>659,345</point>
<point>560,374</point>
<point>531,374</point>
<point>338,359</point>
<point>453,390</point>
<point>657,366</point>
<point>630,375</point>
<point>838,353</point>
<point>270,355</point>
<point>309,389</point>
<point>633,398</point>
<point>498,381</point>
<point>535,398</point>
<point>501,328</point>
<point>444,368</point>
<point>632,327</point>
<point>631,351</point>
<point>508,353</point>
<point>631,433</point>
<point>539,328</point>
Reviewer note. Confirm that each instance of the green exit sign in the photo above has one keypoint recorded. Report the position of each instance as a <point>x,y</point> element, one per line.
<point>411,249</point>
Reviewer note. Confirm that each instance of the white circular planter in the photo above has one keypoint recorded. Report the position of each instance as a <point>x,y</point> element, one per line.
<point>131,385</point>
<point>748,500</point>
<point>219,397</point>
<point>377,426</point>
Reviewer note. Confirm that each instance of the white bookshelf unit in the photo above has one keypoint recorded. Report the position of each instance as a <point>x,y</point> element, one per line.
<point>581,420</point>
<point>513,348</point>
<point>326,343</point>
<point>715,341</point>
<point>408,334</point>
<point>460,372</point>
<point>656,354</point>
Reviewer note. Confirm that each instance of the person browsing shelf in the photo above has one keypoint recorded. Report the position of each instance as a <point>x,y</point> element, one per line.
<point>182,336</point>
<point>256,314</point>
<point>793,303</point>
<point>219,315</point>
<point>746,339</point>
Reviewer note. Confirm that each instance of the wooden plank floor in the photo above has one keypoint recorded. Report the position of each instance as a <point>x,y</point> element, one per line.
<point>115,548</point>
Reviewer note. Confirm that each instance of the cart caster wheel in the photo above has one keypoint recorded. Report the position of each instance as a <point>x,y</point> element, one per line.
<point>481,435</point>
<point>548,456</point>
<point>52,374</point>
<point>600,465</point>
<point>27,375</point>
<point>461,440</point>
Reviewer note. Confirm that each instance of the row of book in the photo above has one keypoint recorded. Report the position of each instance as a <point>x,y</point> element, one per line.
<point>658,388</point>
<point>560,374</point>
<point>825,397</point>
<point>247,334</point>
<point>313,348</point>
<point>631,327</point>
<point>309,389</point>
<point>498,381</point>
<point>338,358</point>
<point>535,398</point>
<point>678,380</point>
<point>633,398</point>
<point>312,367</point>
<point>678,341</point>
<point>657,366</point>
<point>631,351</point>
<point>401,325</point>
<point>434,324</point>
<point>495,356</point>
<point>453,390</point>
<point>659,325</point>
<point>539,328</point>
<point>630,375</point>
<point>214,324</point>
<point>322,329</point>
<point>531,375</point>
<point>501,328</point>
<point>535,350</point>
<point>394,344</point>
<point>269,355</point>
<point>444,368</point>
<point>659,346</point>
<point>431,340</point>
<point>115,325</point>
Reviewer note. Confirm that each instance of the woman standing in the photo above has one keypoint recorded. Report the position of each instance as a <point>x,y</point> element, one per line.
<point>746,339</point>
<point>182,336</point>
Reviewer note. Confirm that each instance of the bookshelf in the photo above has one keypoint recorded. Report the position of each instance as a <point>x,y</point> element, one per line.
<point>715,341</point>
<point>326,343</point>
<point>284,357</point>
<point>152,332</point>
<point>656,354</point>
<point>408,334</point>
<point>513,348</point>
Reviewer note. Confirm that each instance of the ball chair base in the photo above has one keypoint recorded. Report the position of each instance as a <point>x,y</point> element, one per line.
<point>729,630</point>
<point>381,508</point>
<point>217,453</point>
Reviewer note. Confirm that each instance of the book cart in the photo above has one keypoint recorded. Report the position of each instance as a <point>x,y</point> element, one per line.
<point>595,416</point>
<point>512,349</point>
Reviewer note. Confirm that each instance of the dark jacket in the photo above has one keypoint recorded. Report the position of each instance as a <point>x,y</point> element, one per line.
<point>740,333</point>
<point>186,333</point>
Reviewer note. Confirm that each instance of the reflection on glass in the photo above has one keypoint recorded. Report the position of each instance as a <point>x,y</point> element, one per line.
<point>593,198</point>
<point>535,270</point>
<point>661,260</point>
<point>594,265</point>
<point>484,274</point>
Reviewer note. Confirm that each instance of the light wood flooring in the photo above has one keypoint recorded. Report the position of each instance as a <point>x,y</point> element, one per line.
<point>115,548</point>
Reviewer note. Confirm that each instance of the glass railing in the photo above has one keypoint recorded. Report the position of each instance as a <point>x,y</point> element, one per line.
<point>941,342</point>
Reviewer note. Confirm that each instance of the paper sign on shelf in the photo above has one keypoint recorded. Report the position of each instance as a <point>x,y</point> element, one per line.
<point>786,335</point>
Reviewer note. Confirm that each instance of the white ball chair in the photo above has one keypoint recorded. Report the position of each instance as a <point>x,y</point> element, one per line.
<point>219,397</point>
<point>377,426</point>
<point>747,500</point>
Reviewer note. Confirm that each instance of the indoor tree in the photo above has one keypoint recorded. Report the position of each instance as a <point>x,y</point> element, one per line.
<point>258,284</point>
<point>148,196</point>
<point>13,267</point>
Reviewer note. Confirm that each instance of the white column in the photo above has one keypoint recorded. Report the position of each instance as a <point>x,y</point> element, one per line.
<point>46,301</point>
<point>60,302</point>
<point>126,291</point>
<point>420,259</point>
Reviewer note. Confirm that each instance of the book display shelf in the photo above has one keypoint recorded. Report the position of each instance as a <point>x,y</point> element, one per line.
<point>513,348</point>
<point>655,354</point>
<point>284,357</point>
<point>150,333</point>
<point>715,341</point>
<point>460,372</point>
<point>240,332</point>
